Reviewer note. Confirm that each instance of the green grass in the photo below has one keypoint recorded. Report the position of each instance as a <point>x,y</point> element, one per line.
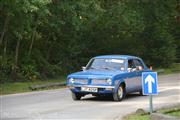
<point>175,113</point>
<point>174,68</point>
<point>137,117</point>
<point>171,112</point>
<point>19,87</point>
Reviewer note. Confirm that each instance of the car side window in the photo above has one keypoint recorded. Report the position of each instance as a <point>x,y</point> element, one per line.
<point>131,64</point>
<point>138,64</point>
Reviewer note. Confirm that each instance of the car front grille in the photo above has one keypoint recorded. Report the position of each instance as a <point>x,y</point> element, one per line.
<point>81,81</point>
<point>98,81</point>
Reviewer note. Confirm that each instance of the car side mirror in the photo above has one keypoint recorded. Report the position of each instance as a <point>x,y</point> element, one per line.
<point>129,69</point>
<point>133,69</point>
<point>139,68</point>
<point>83,68</point>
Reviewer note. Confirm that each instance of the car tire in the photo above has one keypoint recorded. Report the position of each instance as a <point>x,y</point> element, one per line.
<point>76,96</point>
<point>120,93</point>
<point>141,93</point>
<point>96,95</point>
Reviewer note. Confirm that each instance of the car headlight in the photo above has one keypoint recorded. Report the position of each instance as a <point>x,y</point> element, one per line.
<point>109,81</point>
<point>71,80</point>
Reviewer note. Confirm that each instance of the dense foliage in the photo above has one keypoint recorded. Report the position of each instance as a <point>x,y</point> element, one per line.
<point>48,38</point>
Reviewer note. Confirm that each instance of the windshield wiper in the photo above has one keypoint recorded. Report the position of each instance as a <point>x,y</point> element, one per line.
<point>93,67</point>
<point>108,68</point>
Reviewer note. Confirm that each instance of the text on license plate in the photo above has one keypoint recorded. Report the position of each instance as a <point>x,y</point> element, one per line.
<point>89,89</point>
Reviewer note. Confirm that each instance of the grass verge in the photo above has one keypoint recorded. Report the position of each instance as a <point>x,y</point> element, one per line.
<point>19,87</point>
<point>174,68</point>
<point>137,117</point>
<point>170,111</point>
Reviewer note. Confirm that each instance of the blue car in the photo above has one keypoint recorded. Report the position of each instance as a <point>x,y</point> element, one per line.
<point>108,74</point>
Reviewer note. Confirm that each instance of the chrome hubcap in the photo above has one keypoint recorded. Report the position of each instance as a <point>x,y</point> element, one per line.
<point>120,92</point>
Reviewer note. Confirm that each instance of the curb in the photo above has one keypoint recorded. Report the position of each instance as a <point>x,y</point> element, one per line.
<point>159,116</point>
<point>35,87</point>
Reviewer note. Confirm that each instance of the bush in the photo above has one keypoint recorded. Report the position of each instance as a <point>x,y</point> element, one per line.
<point>29,72</point>
<point>5,69</point>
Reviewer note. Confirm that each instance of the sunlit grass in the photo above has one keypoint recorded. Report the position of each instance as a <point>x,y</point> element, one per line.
<point>174,68</point>
<point>18,87</point>
<point>137,117</point>
<point>170,111</point>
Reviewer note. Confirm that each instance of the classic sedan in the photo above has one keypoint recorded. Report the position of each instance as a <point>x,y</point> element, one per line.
<point>108,74</point>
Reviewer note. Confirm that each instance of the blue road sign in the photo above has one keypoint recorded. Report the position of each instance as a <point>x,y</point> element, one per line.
<point>149,83</point>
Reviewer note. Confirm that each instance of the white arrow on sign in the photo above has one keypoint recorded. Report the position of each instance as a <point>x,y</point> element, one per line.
<point>150,80</point>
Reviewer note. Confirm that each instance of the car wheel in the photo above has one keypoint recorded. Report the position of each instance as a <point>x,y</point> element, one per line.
<point>76,96</point>
<point>120,93</point>
<point>141,93</point>
<point>96,95</point>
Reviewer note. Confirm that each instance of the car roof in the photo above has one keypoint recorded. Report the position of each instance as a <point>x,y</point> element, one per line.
<point>118,56</point>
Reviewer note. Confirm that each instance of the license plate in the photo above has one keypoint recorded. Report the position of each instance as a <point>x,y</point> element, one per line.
<point>89,89</point>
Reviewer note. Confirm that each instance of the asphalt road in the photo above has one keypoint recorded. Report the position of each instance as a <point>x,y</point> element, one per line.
<point>57,104</point>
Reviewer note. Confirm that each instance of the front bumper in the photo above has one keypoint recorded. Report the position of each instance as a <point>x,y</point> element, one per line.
<point>101,89</point>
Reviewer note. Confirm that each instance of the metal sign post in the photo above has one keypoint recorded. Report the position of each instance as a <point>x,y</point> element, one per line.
<point>149,86</point>
<point>150,104</point>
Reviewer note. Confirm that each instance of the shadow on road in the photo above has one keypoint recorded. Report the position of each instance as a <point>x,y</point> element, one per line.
<point>109,98</point>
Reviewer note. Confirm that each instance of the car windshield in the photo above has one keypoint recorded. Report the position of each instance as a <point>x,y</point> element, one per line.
<point>111,64</point>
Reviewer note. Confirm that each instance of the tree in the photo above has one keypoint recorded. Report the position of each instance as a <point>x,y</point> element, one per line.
<point>49,38</point>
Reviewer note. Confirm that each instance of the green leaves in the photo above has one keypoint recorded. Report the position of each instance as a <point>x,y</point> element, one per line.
<point>59,36</point>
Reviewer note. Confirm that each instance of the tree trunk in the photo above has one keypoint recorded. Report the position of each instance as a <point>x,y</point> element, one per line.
<point>15,67</point>
<point>32,39</point>
<point>17,51</point>
<point>49,49</point>
<point>5,46</point>
<point>4,29</point>
<point>5,42</point>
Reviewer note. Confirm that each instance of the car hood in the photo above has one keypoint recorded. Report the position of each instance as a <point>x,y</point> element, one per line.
<point>96,73</point>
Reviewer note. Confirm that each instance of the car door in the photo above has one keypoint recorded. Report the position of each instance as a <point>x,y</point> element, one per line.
<point>139,69</point>
<point>132,83</point>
